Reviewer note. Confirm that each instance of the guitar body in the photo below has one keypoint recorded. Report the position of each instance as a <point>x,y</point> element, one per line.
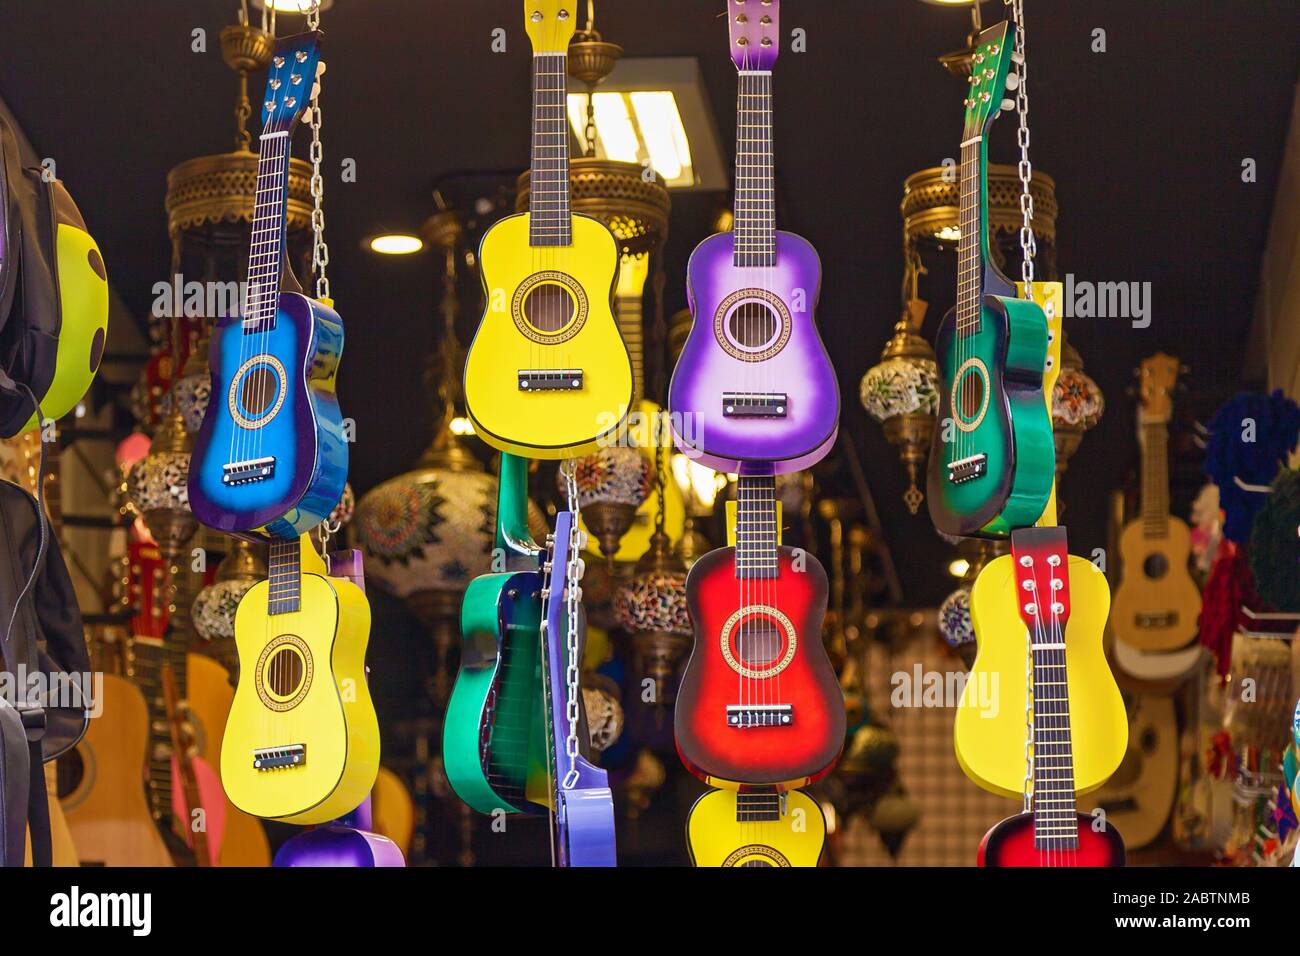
<point>273,398</point>
<point>495,713</point>
<point>716,839</point>
<point>1139,797</point>
<point>212,798</point>
<point>107,811</point>
<point>989,735</point>
<point>393,810</point>
<point>209,694</point>
<point>992,392</point>
<point>1157,604</point>
<point>302,681</point>
<point>548,308</point>
<point>754,333</point>
<point>1011,843</point>
<point>758,641</point>
<point>336,846</point>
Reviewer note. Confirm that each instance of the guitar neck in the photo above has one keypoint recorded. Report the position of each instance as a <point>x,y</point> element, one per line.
<point>550,222</point>
<point>972,247</point>
<point>284,582</point>
<point>755,202</point>
<point>266,248</point>
<point>1055,808</point>
<point>756,531</point>
<point>1155,479</point>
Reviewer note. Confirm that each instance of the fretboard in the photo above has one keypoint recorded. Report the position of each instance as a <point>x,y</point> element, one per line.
<point>266,248</point>
<point>756,531</point>
<point>971,245</point>
<point>755,207</point>
<point>1055,810</point>
<point>762,806</point>
<point>628,315</point>
<point>548,191</point>
<point>285,578</point>
<point>1155,479</point>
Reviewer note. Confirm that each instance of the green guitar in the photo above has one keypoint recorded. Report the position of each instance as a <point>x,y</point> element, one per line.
<point>493,738</point>
<point>992,462</point>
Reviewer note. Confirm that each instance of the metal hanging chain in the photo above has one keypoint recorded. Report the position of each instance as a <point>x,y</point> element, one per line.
<point>572,598</point>
<point>320,252</point>
<point>1028,244</point>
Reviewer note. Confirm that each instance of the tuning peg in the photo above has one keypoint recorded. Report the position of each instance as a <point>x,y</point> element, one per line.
<point>581,567</point>
<point>1013,81</point>
<point>1008,105</point>
<point>320,69</point>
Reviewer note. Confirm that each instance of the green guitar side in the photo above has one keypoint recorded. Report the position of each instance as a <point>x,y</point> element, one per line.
<point>493,734</point>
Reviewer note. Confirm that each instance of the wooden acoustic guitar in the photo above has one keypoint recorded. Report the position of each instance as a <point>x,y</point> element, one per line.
<point>755,827</point>
<point>1157,604</point>
<point>302,741</point>
<point>992,460</point>
<point>1049,582</point>
<point>547,374</point>
<point>1140,795</point>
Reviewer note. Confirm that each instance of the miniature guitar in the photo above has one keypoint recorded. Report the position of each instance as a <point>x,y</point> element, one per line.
<point>548,375</point>
<point>302,742</point>
<point>1048,581</point>
<point>754,383</point>
<point>759,827</point>
<point>270,458</point>
<point>581,803</point>
<point>494,715</point>
<point>759,702</point>
<point>993,460</point>
<point>1157,604</point>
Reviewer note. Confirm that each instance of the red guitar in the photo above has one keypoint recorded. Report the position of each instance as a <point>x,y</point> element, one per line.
<point>759,702</point>
<point>1054,833</point>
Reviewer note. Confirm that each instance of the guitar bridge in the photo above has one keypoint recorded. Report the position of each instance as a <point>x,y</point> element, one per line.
<point>760,715</point>
<point>1156,618</point>
<point>246,472</point>
<point>550,379</point>
<point>279,758</point>
<point>966,469</point>
<point>754,404</point>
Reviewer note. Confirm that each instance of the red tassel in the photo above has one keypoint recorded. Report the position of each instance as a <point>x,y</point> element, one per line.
<point>1229,586</point>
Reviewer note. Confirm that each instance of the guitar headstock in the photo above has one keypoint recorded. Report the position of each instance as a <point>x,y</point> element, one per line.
<point>990,64</point>
<point>1042,565</point>
<point>1157,378</point>
<point>754,28</point>
<point>290,81</point>
<point>558,559</point>
<point>550,24</point>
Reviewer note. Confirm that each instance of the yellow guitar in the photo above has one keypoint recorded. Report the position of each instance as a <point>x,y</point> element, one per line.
<point>763,828</point>
<point>548,375</point>
<point>989,732</point>
<point>302,742</point>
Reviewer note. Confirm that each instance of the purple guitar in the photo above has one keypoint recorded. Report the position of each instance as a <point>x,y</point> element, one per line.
<point>582,814</point>
<point>345,842</point>
<point>754,386</point>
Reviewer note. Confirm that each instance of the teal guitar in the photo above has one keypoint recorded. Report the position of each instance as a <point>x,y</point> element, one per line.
<point>494,733</point>
<point>993,461</point>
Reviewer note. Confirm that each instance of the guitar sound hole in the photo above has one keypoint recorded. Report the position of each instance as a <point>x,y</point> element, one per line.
<point>758,643</point>
<point>284,672</point>
<point>752,325</point>
<point>755,863</point>
<point>971,396</point>
<point>549,308</point>
<point>1155,567</point>
<point>258,391</point>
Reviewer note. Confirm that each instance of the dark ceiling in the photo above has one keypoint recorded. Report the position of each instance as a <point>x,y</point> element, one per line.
<point>1145,141</point>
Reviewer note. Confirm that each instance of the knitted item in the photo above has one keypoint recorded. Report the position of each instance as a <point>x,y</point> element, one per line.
<point>1275,546</point>
<point>1251,436</point>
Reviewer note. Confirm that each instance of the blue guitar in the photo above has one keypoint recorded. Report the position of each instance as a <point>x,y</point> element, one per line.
<point>271,458</point>
<point>582,811</point>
